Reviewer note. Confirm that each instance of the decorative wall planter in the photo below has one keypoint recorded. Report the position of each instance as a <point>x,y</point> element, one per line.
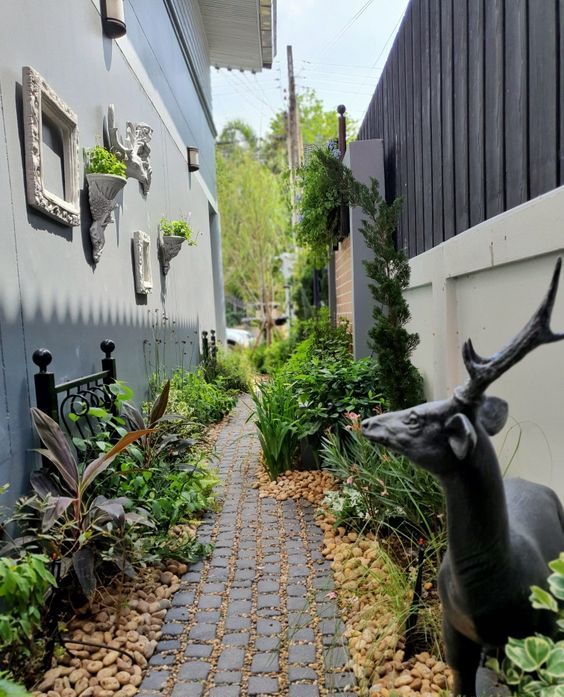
<point>169,247</point>
<point>134,150</point>
<point>102,192</point>
<point>43,107</point>
<point>142,262</point>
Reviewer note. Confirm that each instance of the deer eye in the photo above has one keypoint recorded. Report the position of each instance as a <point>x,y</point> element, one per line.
<point>412,420</point>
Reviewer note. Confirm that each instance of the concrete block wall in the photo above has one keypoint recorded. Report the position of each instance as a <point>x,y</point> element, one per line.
<point>484,284</point>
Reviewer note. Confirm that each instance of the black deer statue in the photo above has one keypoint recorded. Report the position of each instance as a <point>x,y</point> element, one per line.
<point>501,534</point>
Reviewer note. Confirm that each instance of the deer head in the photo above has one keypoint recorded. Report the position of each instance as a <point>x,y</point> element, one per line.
<point>134,151</point>
<point>439,435</point>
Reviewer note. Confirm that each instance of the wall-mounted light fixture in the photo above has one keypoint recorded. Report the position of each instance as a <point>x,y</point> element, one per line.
<point>193,159</point>
<point>113,18</point>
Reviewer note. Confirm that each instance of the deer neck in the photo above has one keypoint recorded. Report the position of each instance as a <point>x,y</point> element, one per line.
<point>477,522</point>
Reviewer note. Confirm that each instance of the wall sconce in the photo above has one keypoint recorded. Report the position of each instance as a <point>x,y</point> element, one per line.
<point>193,159</point>
<point>113,18</point>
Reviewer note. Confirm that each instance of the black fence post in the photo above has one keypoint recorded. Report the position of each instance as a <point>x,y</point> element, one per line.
<point>109,363</point>
<point>205,347</point>
<point>45,393</point>
<point>213,346</point>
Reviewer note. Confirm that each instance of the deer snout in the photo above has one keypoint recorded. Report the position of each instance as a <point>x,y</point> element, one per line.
<point>375,429</point>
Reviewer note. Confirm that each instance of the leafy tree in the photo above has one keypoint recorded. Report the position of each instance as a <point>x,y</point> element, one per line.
<point>254,223</point>
<point>327,183</point>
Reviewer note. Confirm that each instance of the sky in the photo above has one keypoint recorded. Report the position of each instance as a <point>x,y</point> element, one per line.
<point>339,50</point>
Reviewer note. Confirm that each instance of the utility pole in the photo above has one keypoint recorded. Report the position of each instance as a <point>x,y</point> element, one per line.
<point>295,149</point>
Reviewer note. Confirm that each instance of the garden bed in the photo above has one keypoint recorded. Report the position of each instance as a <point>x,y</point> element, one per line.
<point>374,594</point>
<point>115,519</point>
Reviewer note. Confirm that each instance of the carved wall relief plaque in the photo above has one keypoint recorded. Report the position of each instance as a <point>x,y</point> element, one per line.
<point>142,262</point>
<point>50,131</point>
<point>134,150</point>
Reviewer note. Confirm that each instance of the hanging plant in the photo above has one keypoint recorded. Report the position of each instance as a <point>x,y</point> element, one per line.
<point>324,189</point>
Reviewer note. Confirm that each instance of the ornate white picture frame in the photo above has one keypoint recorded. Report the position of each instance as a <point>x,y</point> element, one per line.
<point>39,99</point>
<point>142,262</point>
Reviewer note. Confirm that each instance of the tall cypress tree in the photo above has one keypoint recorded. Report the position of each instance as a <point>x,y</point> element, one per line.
<point>389,271</point>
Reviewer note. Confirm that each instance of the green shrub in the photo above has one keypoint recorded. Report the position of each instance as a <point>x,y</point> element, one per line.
<point>258,357</point>
<point>276,355</point>
<point>381,490</point>
<point>234,370</point>
<point>204,401</point>
<point>276,417</point>
<point>24,583</point>
<point>328,388</point>
<point>102,161</point>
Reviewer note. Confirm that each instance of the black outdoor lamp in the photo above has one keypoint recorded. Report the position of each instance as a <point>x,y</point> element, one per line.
<point>193,159</point>
<point>113,18</point>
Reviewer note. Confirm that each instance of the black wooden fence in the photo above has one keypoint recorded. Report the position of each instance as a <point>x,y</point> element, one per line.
<point>470,106</point>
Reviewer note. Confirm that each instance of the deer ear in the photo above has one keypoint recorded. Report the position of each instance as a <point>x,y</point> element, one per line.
<point>493,413</point>
<point>461,435</point>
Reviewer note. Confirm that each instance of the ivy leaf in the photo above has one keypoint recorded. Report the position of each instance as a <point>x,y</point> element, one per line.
<point>538,648</point>
<point>542,600</point>
<point>556,584</point>
<point>515,651</point>
<point>555,664</point>
<point>558,565</point>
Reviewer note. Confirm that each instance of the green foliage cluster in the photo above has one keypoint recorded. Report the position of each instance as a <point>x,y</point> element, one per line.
<point>254,224</point>
<point>24,583</point>
<point>234,370</point>
<point>534,666</point>
<point>8,688</point>
<point>389,272</point>
<point>102,161</point>
<point>109,504</point>
<point>326,183</point>
<point>179,228</point>
<point>312,393</point>
<point>382,491</point>
<point>324,190</point>
<point>279,430</point>
<point>204,402</point>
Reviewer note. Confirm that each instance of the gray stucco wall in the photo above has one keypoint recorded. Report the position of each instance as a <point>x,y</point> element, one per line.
<point>50,293</point>
<point>365,158</point>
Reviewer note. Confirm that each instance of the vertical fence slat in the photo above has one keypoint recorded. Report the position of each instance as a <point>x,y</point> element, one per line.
<point>460,37</point>
<point>436,120</point>
<point>476,163</point>
<point>404,215</point>
<point>542,96</point>
<point>493,109</point>
<point>449,213</point>
<point>410,147</point>
<point>426,127</point>
<point>418,146</point>
<point>516,116</point>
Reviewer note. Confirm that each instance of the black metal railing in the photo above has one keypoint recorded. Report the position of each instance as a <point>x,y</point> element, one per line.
<point>72,411</point>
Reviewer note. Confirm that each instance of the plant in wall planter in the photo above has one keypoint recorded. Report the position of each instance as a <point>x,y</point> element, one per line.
<point>105,175</point>
<point>172,235</point>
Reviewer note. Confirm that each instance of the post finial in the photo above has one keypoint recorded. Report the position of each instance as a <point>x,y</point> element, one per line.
<point>107,347</point>
<point>42,357</point>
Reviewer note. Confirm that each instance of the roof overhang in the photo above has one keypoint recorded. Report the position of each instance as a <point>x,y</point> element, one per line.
<point>241,34</point>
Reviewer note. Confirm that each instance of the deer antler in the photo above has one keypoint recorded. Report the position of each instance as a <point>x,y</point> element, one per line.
<point>483,371</point>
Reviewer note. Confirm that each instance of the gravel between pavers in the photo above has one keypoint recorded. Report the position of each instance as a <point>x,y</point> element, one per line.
<point>247,621</point>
